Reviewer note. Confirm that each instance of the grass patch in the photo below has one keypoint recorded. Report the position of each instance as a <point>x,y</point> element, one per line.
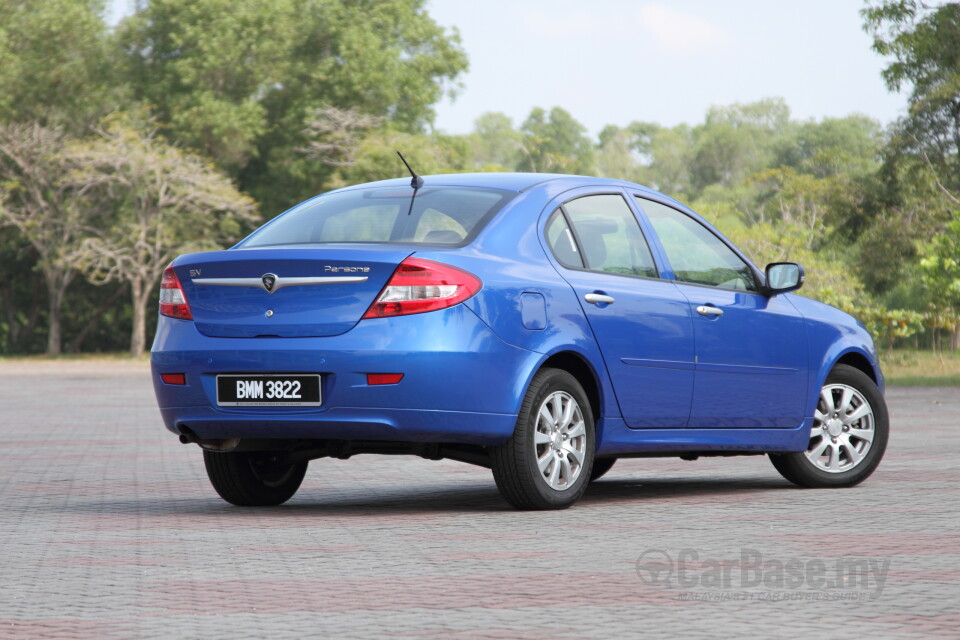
<point>921,368</point>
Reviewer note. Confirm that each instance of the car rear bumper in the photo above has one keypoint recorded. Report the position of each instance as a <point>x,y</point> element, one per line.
<point>346,423</point>
<point>461,383</point>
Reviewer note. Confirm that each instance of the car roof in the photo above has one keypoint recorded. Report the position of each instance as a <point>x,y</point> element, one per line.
<point>496,180</point>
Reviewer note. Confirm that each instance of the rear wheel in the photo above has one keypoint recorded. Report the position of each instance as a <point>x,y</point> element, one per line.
<point>600,467</point>
<point>849,434</point>
<point>546,463</point>
<point>253,479</point>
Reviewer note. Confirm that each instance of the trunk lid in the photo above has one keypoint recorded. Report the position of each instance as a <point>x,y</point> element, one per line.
<point>286,292</point>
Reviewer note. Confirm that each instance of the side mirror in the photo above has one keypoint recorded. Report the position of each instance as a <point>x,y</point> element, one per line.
<point>783,277</point>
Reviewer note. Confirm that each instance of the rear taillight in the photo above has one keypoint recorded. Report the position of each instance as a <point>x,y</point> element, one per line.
<point>173,302</point>
<point>421,285</point>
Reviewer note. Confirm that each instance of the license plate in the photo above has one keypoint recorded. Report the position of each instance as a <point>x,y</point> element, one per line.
<point>268,390</point>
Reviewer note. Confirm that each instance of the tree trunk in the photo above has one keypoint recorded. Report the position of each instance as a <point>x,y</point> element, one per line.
<point>10,316</point>
<point>140,294</point>
<point>955,112</point>
<point>57,284</point>
<point>53,330</point>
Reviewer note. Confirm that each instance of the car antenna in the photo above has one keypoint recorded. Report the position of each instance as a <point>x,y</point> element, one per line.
<point>415,181</point>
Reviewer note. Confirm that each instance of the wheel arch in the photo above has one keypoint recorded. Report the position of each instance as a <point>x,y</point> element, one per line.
<point>859,361</point>
<point>581,369</point>
<point>850,355</point>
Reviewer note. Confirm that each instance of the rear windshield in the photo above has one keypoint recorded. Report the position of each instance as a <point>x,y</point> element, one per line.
<point>436,215</point>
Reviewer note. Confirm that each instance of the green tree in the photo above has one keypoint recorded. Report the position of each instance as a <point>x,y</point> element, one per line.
<point>165,202</point>
<point>940,271</point>
<point>669,153</point>
<point>332,135</point>
<point>376,156</point>
<point>239,80</point>
<point>56,63</point>
<point>922,40</point>
<point>21,309</point>
<point>808,200</point>
<point>885,253</point>
<point>617,156</point>
<point>736,141</point>
<point>494,142</point>
<point>832,146</point>
<point>555,142</point>
<point>885,215</point>
<point>919,183</point>
<point>36,199</point>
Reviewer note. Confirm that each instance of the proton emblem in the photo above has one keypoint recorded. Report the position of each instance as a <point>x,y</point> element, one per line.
<point>269,281</point>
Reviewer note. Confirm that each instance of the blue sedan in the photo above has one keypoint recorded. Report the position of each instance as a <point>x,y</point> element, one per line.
<point>542,326</point>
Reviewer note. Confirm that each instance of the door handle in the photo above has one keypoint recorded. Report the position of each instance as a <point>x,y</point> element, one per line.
<point>598,298</point>
<point>706,310</point>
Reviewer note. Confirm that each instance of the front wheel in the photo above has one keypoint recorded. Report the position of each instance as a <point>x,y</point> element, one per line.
<point>546,463</point>
<point>849,435</point>
<point>253,479</point>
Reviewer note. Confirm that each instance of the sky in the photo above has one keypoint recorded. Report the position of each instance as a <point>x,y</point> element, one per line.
<point>618,61</point>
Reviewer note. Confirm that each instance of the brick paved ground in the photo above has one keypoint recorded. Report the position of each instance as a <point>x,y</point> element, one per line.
<point>108,529</point>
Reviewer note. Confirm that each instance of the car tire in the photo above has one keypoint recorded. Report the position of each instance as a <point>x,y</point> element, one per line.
<point>546,463</point>
<point>600,467</point>
<point>848,437</point>
<point>253,479</point>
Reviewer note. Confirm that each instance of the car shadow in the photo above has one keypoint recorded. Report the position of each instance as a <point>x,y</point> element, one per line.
<point>617,489</point>
<point>425,499</point>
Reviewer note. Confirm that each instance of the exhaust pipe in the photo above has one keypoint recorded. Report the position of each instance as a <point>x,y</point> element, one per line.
<point>220,445</point>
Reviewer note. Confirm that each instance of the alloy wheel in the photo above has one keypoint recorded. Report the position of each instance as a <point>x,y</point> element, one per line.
<point>843,429</point>
<point>560,440</point>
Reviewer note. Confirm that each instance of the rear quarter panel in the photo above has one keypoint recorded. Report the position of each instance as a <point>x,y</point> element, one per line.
<point>518,280</point>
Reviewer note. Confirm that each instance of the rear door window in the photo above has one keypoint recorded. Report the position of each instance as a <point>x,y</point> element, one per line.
<point>600,233</point>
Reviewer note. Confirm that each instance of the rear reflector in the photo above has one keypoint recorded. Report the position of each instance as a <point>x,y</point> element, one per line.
<point>173,378</point>
<point>421,285</point>
<point>173,302</point>
<point>384,378</point>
